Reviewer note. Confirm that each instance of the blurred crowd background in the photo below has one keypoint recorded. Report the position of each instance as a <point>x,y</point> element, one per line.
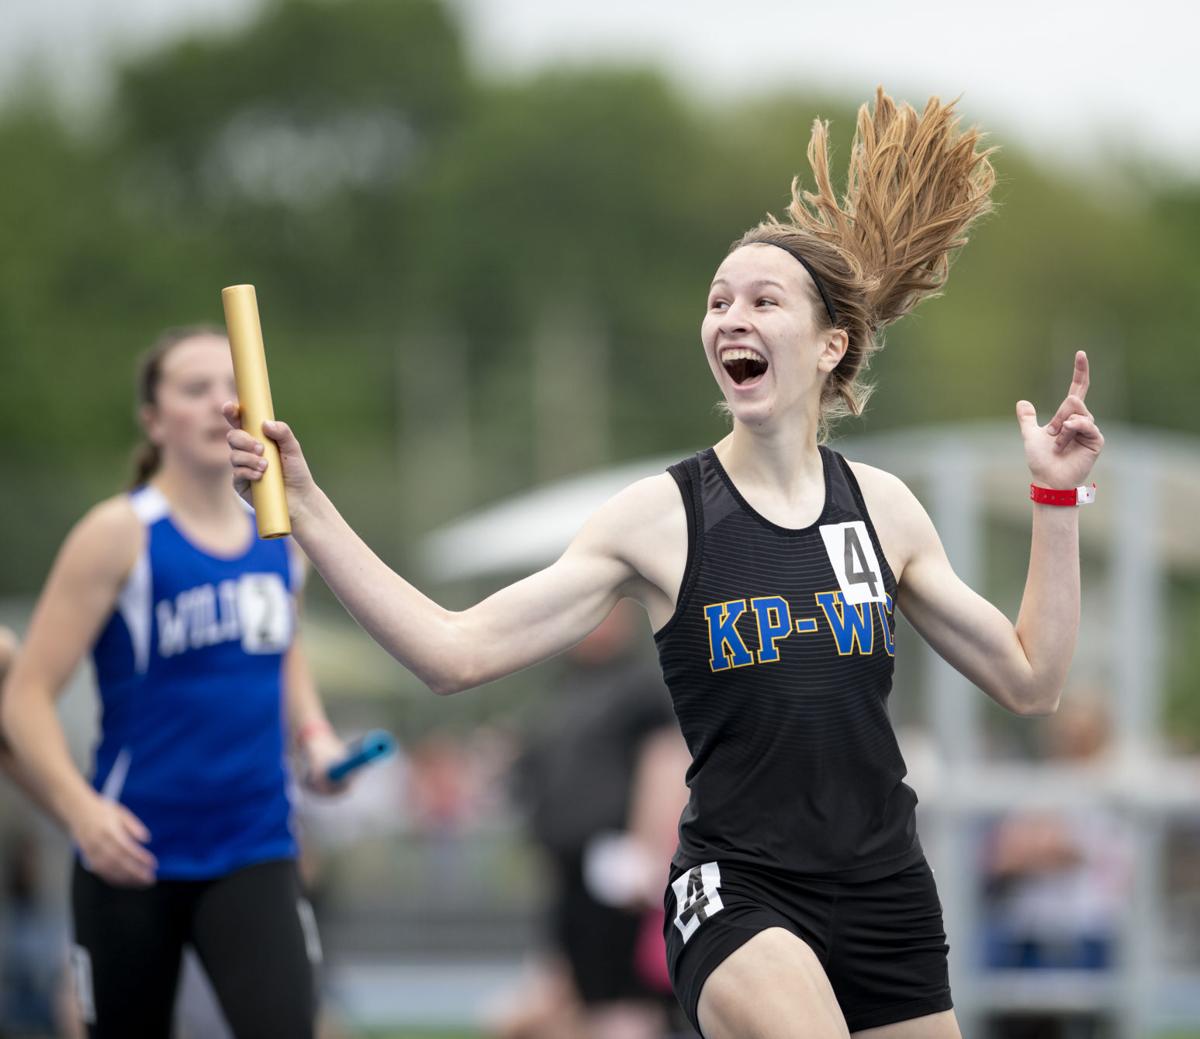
<point>476,283</point>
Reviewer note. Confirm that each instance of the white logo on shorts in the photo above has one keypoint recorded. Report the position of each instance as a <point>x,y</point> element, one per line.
<point>312,938</point>
<point>81,971</point>
<point>696,897</point>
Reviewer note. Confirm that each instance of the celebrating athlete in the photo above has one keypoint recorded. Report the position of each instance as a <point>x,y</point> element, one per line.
<point>770,567</point>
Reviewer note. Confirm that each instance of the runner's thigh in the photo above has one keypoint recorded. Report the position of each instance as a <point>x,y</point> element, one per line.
<point>128,946</point>
<point>772,987</point>
<point>253,932</point>
<point>929,1026</point>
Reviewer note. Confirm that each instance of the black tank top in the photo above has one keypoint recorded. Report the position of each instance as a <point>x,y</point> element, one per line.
<point>779,659</point>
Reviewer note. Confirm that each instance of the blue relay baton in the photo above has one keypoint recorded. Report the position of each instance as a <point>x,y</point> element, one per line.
<point>375,745</point>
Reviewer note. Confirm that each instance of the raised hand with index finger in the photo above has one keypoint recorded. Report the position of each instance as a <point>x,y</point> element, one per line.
<point>1062,452</point>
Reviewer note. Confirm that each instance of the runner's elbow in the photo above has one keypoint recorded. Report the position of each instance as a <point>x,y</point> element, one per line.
<point>1035,701</point>
<point>1037,708</point>
<point>453,668</point>
<point>445,683</point>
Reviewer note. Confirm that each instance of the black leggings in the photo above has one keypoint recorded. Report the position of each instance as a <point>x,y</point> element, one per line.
<point>251,929</point>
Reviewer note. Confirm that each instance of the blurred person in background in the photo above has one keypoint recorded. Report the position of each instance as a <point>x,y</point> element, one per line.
<point>30,940</point>
<point>8,653</point>
<point>440,795</point>
<point>1059,882</point>
<point>10,764</point>
<point>769,567</point>
<point>184,834</point>
<point>602,784</point>
<point>8,650</point>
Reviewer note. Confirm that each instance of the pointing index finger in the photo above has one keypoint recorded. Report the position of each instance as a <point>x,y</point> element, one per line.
<point>1080,376</point>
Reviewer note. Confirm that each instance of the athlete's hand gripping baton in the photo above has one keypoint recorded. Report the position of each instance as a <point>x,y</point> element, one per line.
<point>374,746</point>
<point>254,401</point>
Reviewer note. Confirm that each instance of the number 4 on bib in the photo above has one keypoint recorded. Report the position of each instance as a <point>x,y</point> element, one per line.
<point>852,556</point>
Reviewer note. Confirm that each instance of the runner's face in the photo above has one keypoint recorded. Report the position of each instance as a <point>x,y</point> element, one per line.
<point>760,334</point>
<point>186,421</point>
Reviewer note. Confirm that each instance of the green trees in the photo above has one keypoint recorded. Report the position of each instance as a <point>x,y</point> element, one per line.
<point>496,280</point>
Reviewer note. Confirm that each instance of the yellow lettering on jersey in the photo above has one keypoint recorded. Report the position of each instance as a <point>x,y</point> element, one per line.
<point>850,628</point>
<point>774,623</point>
<point>724,641</point>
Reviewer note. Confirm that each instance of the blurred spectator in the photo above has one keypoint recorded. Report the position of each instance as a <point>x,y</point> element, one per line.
<point>1182,915</point>
<point>602,781</point>
<point>1057,883</point>
<point>440,802</point>
<point>32,943</point>
<point>8,650</point>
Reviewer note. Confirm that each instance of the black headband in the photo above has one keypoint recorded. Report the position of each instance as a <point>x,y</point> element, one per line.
<point>829,307</point>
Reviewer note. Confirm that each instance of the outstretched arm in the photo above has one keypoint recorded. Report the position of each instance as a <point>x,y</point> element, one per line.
<point>1022,666</point>
<point>520,625</point>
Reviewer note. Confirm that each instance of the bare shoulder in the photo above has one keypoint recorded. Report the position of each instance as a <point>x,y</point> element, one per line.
<point>878,485</point>
<point>91,567</point>
<point>645,526</point>
<point>111,518</point>
<point>105,542</point>
<point>638,516</point>
<point>899,518</point>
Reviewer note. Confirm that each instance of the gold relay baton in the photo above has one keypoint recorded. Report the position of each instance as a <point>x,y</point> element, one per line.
<point>254,399</point>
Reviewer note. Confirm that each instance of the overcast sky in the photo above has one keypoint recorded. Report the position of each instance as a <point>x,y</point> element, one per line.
<point>1067,77</point>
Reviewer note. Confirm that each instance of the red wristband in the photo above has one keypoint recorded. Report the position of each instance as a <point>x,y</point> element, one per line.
<point>1071,496</point>
<point>308,730</point>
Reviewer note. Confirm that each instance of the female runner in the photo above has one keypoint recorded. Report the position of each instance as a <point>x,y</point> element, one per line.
<point>800,902</point>
<point>184,832</point>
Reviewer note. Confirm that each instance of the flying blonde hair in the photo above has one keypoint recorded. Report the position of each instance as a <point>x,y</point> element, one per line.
<point>916,184</point>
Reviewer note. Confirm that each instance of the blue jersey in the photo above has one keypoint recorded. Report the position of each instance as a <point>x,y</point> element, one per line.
<point>189,668</point>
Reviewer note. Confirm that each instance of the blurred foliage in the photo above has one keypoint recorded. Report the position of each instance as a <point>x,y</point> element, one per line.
<point>386,200</point>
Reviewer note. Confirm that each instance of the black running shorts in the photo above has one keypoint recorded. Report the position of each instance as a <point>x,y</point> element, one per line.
<point>881,941</point>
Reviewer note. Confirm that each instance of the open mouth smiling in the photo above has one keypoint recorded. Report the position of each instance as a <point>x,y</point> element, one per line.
<point>745,366</point>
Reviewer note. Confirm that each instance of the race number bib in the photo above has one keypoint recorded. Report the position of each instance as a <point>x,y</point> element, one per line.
<point>852,556</point>
<point>265,612</point>
<point>696,897</point>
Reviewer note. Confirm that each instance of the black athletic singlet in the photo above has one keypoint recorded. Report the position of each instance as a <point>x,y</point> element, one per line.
<point>779,659</point>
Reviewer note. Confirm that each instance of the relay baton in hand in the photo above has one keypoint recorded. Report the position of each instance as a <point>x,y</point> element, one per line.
<point>254,400</point>
<point>373,746</point>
